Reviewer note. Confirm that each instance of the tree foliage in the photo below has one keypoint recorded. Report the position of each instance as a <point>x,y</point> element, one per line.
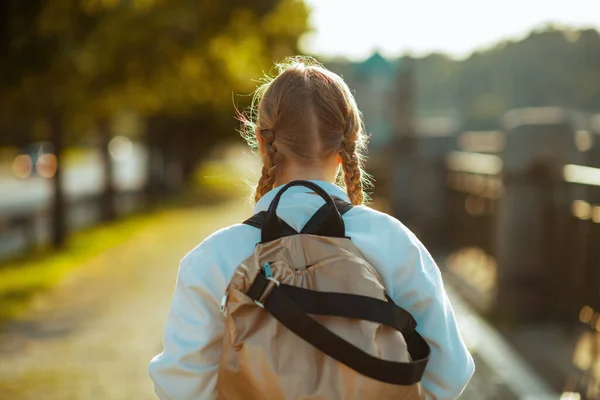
<point>550,67</point>
<point>94,58</point>
<point>72,65</point>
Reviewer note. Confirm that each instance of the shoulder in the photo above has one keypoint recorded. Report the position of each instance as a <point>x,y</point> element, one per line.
<point>394,250</point>
<point>387,240</point>
<point>219,254</point>
<point>375,222</point>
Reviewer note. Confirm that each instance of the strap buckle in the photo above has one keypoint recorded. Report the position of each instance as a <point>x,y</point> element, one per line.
<point>263,285</point>
<point>270,286</point>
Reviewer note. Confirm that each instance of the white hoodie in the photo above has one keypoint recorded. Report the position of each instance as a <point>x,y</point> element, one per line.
<point>187,368</point>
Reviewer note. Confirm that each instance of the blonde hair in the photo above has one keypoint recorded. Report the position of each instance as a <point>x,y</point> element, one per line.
<point>307,113</point>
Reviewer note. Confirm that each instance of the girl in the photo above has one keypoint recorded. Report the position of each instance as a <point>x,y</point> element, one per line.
<point>308,127</point>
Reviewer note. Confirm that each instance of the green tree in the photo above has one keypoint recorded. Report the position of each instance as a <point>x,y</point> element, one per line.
<point>76,63</point>
<point>39,77</point>
<point>550,67</point>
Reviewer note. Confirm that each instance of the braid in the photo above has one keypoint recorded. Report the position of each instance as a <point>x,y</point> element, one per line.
<point>271,164</point>
<point>352,172</point>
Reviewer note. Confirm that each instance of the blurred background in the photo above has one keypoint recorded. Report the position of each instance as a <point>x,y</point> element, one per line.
<point>119,152</point>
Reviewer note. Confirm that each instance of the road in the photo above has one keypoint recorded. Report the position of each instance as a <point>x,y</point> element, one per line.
<point>82,177</point>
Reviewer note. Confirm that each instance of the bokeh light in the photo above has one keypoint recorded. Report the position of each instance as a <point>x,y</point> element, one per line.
<point>120,148</point>
<point>586,314</point>
<point>581,209</point>
<point>22,166</point>
<point>583,140</point>
<point>46,165</point>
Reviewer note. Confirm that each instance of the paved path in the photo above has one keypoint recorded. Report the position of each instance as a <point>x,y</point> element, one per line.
<point>92,337</point>
<point>501,373</point>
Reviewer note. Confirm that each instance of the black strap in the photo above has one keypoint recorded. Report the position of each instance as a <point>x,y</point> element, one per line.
<point>352,306</point>
<point>314,226</point>
<point>342,206</point>
<point>291,305</point>
<point>331,220</point>
<point>257,221</point>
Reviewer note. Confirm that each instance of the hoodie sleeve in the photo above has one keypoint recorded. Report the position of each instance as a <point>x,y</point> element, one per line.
<point>187,367</point>
<point>416,285</point>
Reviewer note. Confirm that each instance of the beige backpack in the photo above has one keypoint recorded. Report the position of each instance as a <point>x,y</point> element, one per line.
<point>307,317</point>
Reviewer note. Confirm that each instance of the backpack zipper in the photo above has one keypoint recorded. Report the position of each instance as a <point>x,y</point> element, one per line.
<point>224,301</point>
<point>266,268</point>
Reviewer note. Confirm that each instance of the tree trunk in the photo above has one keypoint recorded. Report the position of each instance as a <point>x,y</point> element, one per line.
<point>173,151</point>
<point>154,166</point>
<point>192,148</point>
<point>107,200</point>
<point>59,215</point>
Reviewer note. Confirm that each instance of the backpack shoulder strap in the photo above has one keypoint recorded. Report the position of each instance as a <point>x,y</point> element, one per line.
<point>313,226</point>
<point>258,220</point>
<point>292,307</point>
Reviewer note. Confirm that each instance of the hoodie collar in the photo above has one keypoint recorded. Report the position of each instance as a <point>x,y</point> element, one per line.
<point>331,188</point>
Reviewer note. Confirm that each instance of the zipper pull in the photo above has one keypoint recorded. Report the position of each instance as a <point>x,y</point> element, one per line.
<point>224,302</point>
